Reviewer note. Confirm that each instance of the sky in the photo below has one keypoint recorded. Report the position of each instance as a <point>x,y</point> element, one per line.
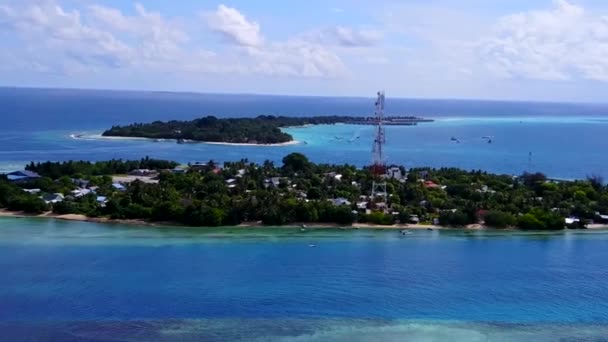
<point>545,50</point>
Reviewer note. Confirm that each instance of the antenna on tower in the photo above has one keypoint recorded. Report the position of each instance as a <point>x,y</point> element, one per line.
<point>378,161</point>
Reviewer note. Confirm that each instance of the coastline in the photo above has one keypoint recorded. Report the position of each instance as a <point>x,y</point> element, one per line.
<point>258,225</point>
<point>98,136</point>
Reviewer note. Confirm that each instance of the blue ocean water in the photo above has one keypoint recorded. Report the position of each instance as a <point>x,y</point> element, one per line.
<point>562,140</point>
<point>85,281</point>
<point>72,281</point>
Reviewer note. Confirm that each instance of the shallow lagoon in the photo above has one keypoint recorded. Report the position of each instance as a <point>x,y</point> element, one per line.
<point>77,280</point>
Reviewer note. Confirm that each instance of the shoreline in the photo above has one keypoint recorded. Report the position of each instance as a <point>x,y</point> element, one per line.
<point>98,136</point>
<point>258,225</point>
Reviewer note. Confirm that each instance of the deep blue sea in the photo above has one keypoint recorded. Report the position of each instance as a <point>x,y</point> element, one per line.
<point>71,281</point>
<point>562,140</point>
<point>74,281</point>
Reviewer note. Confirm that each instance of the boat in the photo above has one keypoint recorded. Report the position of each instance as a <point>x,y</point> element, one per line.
<point>405,232</point>
<point>454,139</point>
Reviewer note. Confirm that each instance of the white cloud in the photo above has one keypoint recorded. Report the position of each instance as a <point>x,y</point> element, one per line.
<point>234,26</point>
<point>53,39</point>
<point>47,26</point>
<point>297,58</point>
<point>345,36</point>
<point>564,43</point>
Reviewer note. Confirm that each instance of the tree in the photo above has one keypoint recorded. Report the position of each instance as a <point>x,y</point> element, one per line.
<point>296,162</point>
<point>453,219</point>
<point>499,219</point>
<point>530,222</point>
<point>596,181</point>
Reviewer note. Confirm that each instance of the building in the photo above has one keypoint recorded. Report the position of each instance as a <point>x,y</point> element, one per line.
<point>431,185</point>
<point>22,176</point>
<point>102,200</point>
<point>80,192</point>
<point>52,198</point>
<point>119,187</point>
<point>395,173</point>
<point>340,201</point>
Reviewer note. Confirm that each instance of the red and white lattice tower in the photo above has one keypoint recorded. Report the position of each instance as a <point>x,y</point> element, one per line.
<point>378,161</point>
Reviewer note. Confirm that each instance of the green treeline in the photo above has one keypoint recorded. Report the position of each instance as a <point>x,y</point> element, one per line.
<point>300,191</point>
<point>264,129</point>
<point>56,170</point>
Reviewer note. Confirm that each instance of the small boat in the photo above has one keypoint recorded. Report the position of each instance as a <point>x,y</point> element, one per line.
<point>312,245</point>
<point>454,139</point>
<point>431,229</point>
<point>405,232</point>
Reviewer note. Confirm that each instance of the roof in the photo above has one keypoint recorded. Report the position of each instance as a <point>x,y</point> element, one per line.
<point>431,184</point>
<point>340,201</point>
<point>24,173</point>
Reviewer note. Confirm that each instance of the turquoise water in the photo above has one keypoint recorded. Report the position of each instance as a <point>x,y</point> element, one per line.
<point>564,140</point>
<point>85,281</point>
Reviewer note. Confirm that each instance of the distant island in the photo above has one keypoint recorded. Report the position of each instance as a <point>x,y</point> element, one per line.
<point>298,193</point>
<point>261,130</point>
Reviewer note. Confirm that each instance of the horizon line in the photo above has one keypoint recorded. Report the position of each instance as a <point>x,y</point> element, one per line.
<point>193,92</point>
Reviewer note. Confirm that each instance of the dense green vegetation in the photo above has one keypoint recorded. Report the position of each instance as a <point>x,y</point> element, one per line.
<point>300,191</point>
<point>264,129</point>
<point>85,168</point>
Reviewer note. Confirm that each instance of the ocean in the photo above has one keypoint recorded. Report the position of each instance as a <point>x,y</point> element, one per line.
<point>75,281</point>
<point>562,140</point>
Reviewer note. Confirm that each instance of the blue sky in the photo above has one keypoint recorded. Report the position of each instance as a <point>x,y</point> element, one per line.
<point>554,50</point>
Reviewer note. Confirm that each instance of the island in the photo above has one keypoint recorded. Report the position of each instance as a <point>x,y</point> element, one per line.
<point>299,193</point>
<point>261,130</point>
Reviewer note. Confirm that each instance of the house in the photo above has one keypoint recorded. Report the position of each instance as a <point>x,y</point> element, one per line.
<point>118,186</point>
<point>485,189</point>
<point>414,219</point>
<point>394,173</point>
<point>102,200</point>
<point>80,192</point>
<point>178,169</point>
<point>53,198</point>
<point>274,181</point>
<point>230,181</point>
<point>340,201</point>
<point>362,205</point>
<point>22,176</point>
<point>32,191</point>
<point>142,172</point>
<point>431,185</point>
<point>601,218</point>
<point>571,220</point>
<point>240,173</point>
<point>198,166</point>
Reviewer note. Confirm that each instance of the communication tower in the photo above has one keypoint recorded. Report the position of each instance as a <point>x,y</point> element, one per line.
<point>378,160</point>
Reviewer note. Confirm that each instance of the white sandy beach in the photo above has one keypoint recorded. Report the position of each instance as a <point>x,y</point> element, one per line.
<point>79,136</point>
